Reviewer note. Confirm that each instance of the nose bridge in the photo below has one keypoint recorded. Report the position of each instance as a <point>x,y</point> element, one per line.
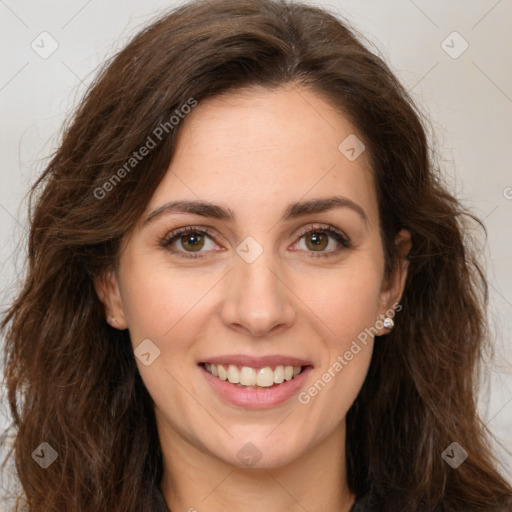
<point>257,299</point>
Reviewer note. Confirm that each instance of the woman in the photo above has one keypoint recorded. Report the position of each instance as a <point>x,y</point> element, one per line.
<point>247,287</point>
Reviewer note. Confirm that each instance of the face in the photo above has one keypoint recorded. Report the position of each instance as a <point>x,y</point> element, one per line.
<point>259,256</point>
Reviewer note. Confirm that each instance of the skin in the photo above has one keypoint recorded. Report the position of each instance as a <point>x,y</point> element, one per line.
<point>254,152</point>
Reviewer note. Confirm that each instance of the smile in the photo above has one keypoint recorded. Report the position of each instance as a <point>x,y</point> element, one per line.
<point>255,382</point>
<point>253,378</point>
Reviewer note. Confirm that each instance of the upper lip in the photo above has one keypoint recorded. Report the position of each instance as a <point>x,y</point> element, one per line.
<point>257,362</point>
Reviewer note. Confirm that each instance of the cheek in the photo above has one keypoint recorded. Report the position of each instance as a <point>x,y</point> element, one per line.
<point>170,308</point>
<point>346,304</point>
<point>157,300</point>
<point>346,300</point>
<point>350,314</point>
<point>165,305</point>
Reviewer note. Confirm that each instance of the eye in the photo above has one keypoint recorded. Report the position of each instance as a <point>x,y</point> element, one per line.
<point>325,241</point>
<point>318,241</point>
<point>189,240</point>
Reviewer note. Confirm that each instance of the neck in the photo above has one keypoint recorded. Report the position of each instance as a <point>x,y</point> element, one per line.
<point>195,480</point>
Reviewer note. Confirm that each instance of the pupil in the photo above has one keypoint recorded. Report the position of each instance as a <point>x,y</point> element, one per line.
<point>317,240</point>
<point>191,241</point>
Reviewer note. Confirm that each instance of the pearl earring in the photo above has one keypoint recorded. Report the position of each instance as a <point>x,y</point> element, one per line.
<point>388,323</point>
<point>112,319</point>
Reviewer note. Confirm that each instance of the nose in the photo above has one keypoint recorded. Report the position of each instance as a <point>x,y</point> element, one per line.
<point>258,300</point>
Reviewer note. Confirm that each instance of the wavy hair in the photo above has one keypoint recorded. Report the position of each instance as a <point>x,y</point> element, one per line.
<point>72,380</point>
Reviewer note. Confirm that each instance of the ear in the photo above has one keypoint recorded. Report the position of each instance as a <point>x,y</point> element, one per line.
<point>107,288</point>
<point>393,287</point>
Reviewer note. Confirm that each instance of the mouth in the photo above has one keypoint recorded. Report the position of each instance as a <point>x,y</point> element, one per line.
<point>252,382</point>
<point>249,377</point>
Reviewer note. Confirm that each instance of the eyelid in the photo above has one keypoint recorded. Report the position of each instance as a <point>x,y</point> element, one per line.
<point>328,229</point>
<point>325,228</point>
<point>341,238</point>
<point>170,237</point>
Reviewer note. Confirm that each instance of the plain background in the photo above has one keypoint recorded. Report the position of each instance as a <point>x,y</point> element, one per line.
<point>466,95</point>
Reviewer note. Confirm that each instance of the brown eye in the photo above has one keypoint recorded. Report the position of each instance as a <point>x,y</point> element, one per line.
<point>323,241</point>
<point>317,241</point>
<point>192,242</point>
<point>189,242</point>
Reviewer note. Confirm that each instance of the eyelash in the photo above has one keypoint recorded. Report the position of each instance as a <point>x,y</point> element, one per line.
<point>327,230</point>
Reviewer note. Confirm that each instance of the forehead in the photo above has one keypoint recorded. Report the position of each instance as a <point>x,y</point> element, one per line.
<point>259,149</point>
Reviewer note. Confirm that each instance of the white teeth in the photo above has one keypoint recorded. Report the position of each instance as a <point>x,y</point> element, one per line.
<point>233,374</point>
<point>265,377</point>
<point>223,375</point>
<point>279,374</point>
<point>247,376</point>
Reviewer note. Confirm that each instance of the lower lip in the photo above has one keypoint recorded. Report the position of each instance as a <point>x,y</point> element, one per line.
<point>262,398</point>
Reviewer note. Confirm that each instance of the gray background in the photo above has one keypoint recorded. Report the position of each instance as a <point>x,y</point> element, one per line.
<point>467,97</point>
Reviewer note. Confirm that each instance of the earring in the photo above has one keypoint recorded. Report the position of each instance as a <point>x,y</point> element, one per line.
<point>112,319</point>
<point>388,323</point>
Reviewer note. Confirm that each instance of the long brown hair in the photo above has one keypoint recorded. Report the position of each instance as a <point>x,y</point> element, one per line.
<point>72,380</point>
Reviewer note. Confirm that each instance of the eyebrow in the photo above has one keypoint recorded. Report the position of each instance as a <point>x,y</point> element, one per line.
<point>293,211</point>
